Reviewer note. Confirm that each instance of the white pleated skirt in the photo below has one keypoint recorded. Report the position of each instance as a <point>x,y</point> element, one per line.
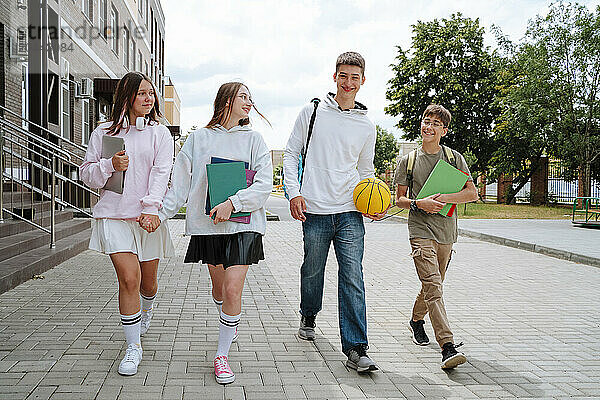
<point>126,236</point>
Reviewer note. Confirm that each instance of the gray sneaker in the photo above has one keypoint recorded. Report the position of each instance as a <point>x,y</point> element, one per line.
<point>307,328</point>
<point>359,360</point>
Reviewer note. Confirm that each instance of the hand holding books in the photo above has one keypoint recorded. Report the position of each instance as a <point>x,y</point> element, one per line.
<point>222,212</point>
<point>120,161</point>
<point>444,179</point>
<point>431,204</point>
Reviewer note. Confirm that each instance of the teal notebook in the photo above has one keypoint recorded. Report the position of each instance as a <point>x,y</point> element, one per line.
<point>444,179</point>
<point>224,180</point>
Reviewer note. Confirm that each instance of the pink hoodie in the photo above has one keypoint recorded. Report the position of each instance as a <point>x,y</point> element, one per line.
<point>150,154</point>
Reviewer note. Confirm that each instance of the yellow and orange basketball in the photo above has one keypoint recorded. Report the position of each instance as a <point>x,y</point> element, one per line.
<point>371,196</point>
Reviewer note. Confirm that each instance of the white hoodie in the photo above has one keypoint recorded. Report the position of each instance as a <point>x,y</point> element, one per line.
<point>340,154</point>
<point>189,183</point>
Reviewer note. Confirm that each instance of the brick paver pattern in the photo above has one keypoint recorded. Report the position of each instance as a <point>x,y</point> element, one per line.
<point>530,323</point>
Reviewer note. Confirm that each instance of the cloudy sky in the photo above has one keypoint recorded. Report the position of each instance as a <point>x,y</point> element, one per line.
<point>285,50</point>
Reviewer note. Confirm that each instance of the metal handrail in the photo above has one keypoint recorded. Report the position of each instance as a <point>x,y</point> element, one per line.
<point>590,206</point>
<point>30,150</point>
<point>78,146</point>
<point>49,196</point>
<point>37,153</point>
<point>43,141</point>
<point>48,170</point>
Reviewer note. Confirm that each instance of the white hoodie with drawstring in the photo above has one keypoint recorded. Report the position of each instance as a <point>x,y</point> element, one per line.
<point>340,154</point>
<point>189,184</point>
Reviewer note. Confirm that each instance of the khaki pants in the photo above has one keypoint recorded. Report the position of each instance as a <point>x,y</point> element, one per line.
<point>431,261</point>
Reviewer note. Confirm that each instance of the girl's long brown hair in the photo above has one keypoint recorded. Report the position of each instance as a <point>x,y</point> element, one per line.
<point>226,94</point>
<point>127,90</point>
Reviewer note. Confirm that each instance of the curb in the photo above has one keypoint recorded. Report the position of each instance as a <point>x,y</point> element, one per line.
<point>535,248</point>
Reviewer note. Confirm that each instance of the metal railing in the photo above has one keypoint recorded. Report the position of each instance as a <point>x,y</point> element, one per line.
<point>40,170</point>
<point>588,213</point>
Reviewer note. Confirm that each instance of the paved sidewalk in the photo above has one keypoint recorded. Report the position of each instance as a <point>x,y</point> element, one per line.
<point>559,235</point>
<point>530,323</point>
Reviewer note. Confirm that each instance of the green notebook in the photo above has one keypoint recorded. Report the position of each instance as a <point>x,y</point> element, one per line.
<point>444,178</point>
<point>224,180</point>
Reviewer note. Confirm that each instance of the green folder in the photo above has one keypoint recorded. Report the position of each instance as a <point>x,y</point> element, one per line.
<point>224,180</point>
<point>444,179</point>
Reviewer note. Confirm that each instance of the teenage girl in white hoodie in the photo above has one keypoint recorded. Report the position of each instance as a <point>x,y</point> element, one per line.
<point>227,247</point>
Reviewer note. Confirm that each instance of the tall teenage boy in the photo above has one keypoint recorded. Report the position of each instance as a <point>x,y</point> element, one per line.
<point>431,234</point>
<point>340,154</point>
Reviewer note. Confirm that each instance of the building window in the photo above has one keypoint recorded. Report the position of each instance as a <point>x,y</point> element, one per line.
<point>102,17</point>
<point>139,68</point>
<point>87,7</point>
<point>151,31</point>
<point>125,48</point>
<point>65,125</point>
<point>132,54</point>
<point>24,95</point>
<point>53,98</point>
<point>114,29</point>
<point>85,121</point>
<point>146,68</point>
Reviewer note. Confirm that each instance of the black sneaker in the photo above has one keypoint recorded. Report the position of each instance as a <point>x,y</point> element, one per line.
<point>359,360</point>
<point>418,332</point>
<point>307,328</point>
<point>450,357</point>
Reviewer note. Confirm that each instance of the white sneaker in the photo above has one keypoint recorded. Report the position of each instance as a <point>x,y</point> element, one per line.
<point>145,322</point>
<point>133,356</point>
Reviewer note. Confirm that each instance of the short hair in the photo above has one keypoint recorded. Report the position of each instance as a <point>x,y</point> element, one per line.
<point>439,111</point>
<point>350,58</point>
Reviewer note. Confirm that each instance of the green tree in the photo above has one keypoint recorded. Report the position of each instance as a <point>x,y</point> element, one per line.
<point>447,64</point>
<point>571,35</point>
<point>526,123</point>
<point>386,149</point>
<point>550,95</point>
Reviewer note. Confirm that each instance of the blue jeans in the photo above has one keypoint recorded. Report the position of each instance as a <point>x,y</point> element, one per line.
<point>347,232</point>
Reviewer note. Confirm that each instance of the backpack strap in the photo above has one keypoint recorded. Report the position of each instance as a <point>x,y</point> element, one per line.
<point>409,171</point>
<point>311,124</point>
<point>449,155</point>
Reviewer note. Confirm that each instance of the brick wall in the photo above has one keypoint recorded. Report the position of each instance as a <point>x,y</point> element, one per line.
<point>539,183</point>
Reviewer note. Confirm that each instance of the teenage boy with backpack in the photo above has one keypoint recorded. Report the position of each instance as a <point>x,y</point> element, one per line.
<point>431,234</point>
<point>335,157</point>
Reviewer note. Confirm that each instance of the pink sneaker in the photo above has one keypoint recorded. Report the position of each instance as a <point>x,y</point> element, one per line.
<point>223,373</point>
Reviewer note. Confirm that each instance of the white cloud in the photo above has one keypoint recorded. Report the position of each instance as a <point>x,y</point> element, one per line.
<point>285,50</point>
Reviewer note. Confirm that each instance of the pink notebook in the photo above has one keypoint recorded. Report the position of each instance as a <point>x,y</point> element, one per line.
<point>249,179</point>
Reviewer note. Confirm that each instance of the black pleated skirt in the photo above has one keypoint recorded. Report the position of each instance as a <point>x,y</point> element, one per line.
<point>243,248</point>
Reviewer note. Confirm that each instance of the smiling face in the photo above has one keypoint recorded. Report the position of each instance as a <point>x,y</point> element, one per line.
<point>348,79</point>
<point>144,100</point>
<point>242,104</point>
<point>432,129</point>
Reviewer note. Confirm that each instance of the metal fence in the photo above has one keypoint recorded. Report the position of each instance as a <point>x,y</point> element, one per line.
<point>564,191</point>
<point>560,190</point>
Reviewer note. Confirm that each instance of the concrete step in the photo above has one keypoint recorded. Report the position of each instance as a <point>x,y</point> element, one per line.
<point>37,205</point>
<point>24,266</point>
<point>12,226</point>
<point>12,245</point>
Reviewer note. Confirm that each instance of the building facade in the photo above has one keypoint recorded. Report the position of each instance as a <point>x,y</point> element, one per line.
<point>60,60</point>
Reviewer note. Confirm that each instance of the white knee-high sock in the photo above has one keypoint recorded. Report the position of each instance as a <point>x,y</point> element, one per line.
<point>218,304</point>
<point>147,302</point>
<point>131,327</point>
<point>227,327</point>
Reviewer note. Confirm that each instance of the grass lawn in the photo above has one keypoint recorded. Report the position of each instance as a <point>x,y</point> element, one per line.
<point>502,211</point>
